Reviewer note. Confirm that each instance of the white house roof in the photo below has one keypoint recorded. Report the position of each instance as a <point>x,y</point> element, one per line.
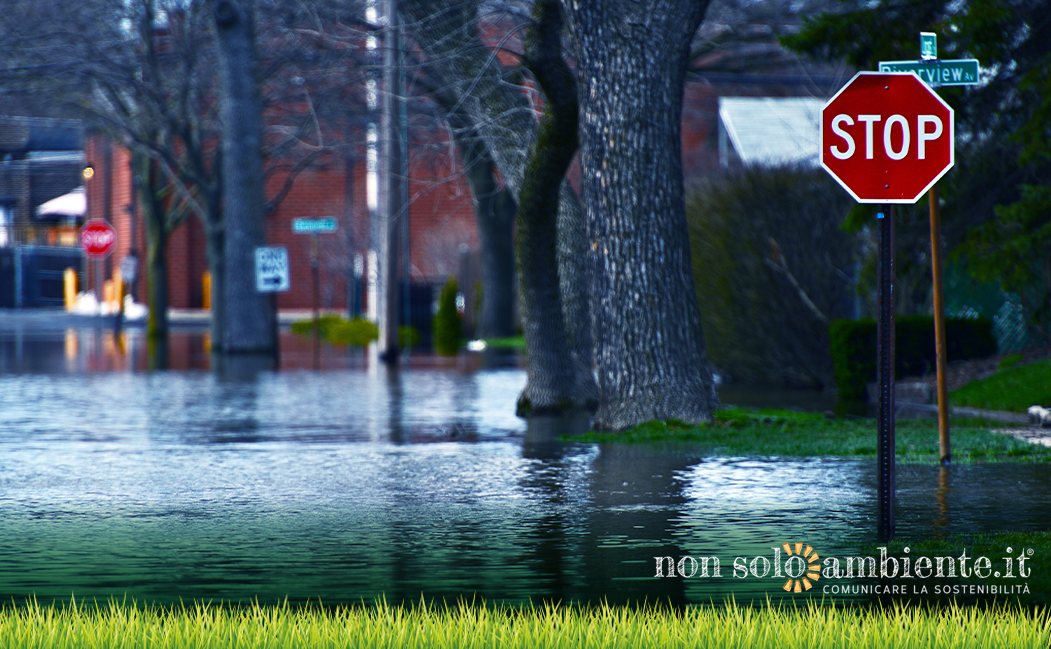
<point>70,205</point>
<point>767,130</point>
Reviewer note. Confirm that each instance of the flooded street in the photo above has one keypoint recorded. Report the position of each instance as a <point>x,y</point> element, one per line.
<point>354,483</point>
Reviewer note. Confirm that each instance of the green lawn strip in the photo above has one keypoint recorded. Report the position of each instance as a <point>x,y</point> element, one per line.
<point>512,342</point>
<point>1014,388</point>
<point>736,431</point>
<point>548,626</point>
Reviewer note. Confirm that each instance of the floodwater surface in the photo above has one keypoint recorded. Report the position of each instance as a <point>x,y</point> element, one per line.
<point>357,483</point>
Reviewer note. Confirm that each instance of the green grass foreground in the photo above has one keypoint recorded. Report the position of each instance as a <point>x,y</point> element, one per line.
<point>740,432</point>
<point>476,627</point>
<point>1013,388</point>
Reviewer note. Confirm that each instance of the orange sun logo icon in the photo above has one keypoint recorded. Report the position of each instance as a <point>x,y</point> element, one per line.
<point>806,567</point>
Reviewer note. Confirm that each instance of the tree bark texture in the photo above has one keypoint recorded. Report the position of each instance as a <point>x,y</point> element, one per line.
<point>249,325</point>
<point>501,114</point>
<point>649,348</point>
<point>547,340</point>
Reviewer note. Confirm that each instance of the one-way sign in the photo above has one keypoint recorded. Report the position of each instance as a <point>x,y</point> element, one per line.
<point>271,269</point>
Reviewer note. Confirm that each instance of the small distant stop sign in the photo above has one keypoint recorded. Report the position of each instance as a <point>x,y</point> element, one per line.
<point>97,237</point>
<point>886,137</point>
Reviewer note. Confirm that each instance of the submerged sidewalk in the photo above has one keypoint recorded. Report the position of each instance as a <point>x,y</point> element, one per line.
<point>51,319</point>
<point>1026,431</point>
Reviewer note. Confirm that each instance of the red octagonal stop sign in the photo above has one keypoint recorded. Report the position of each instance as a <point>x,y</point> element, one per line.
<point>886,137</point>
<point>97,237</point>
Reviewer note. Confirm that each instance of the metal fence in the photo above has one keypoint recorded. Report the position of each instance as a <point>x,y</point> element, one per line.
<point>31,234</point>
<point>967,298</point>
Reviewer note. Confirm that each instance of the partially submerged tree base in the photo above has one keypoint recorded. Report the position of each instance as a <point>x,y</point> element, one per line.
<point>558,378</point>
<point>525,408</point>
<point>655,407</point>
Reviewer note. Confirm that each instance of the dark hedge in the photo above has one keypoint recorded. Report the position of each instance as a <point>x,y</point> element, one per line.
<point>853,344</point>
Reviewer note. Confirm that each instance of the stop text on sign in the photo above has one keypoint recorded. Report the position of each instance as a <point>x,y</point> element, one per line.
<point>99,239</point>
<point>886,137</point>
<point>897,136</point>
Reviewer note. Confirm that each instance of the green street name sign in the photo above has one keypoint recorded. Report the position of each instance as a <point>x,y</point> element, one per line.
<point>940,72</point>
<point>311,226</point>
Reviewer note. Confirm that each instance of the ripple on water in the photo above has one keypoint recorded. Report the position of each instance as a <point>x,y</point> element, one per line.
<point>349,485</point>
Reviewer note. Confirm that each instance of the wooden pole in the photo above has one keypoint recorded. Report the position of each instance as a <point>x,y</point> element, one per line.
<point>939,328</point>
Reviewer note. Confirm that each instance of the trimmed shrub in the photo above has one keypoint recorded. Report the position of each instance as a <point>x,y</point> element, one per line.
<point>772,268</point>
<point>447,322</point>
<point>408,336</point>
<point>853,346</point>
<point>339,331</point>
<point>358,331</point>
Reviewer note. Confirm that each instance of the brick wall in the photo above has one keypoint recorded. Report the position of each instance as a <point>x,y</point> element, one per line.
<point>441,221</point>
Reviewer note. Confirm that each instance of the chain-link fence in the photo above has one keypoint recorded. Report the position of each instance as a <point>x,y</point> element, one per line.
<point>967,298</point>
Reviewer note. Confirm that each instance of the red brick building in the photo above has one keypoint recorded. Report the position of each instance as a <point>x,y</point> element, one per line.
<point>441,205</point>
<point>441,222</point>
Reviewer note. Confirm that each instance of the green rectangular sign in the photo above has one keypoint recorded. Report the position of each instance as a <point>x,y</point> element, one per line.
<point>928,46</point>
<point>310,226</point>
<point>957,72</point>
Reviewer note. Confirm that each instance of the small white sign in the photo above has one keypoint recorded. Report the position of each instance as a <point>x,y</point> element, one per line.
<point>271,269</point>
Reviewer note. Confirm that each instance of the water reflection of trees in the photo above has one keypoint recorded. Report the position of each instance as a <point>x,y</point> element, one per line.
<point>607,511</point>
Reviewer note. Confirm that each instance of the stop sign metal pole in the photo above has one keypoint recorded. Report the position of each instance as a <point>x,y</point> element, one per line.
<point>98,287</point>
<point>885,362</point>
<point>900,171</point>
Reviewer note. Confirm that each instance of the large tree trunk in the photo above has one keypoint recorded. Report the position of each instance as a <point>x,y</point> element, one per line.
<point>215,253</point>
<point>496,218</point>
<point>494,210</point>
<point>249,319</point>
<point>155,222</point>
<point>649,349</point>
<point>502,116</point>
<point>538,202</point>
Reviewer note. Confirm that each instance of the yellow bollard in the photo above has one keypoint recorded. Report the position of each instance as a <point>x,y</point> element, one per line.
<point>206,296</point>
<point>71,345</point>
<point>118,287</point>
<point>69,288</point>
<point>107,292</point>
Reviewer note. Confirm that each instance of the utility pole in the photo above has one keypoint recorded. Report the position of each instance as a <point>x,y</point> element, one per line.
<point>392,207</point>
